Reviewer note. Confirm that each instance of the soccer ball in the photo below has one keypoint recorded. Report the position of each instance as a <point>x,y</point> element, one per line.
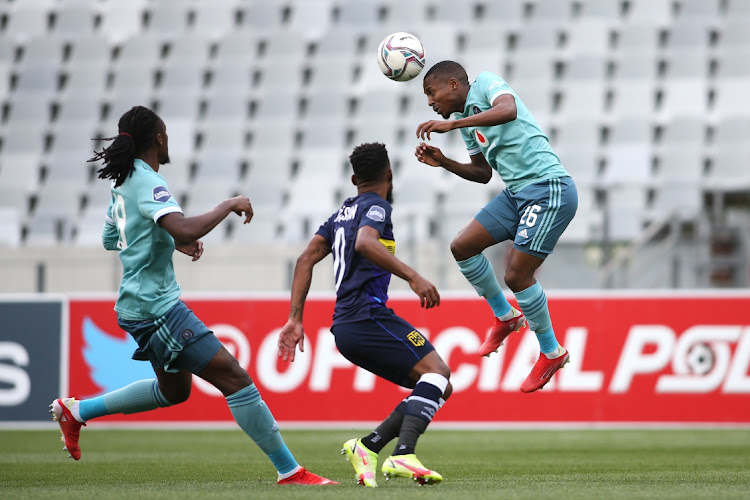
<point>401,56</point>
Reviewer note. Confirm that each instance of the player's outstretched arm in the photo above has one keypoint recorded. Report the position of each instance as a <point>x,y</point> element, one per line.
<point>186,230</point>
<point>476,171</point>
<point>503,110</point>
<point>368,246</point>
<point>292,333</point>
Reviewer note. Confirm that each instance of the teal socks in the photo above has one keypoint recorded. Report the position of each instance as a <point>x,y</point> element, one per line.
<point>478,271</point>
<point>143,395</point>
<point>533,303</point>
<point>254,417</point>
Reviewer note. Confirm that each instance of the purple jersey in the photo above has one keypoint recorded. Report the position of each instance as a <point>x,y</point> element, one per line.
<point>360,284</point>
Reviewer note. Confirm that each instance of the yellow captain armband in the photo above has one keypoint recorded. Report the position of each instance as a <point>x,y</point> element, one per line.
<point>390,245</point>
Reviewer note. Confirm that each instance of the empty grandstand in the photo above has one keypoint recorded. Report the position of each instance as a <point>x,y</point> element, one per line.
<point>645,102</point>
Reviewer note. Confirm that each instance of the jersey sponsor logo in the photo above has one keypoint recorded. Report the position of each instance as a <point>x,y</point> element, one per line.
<point>481,139</point>
<point>476,110</point>
<point>376,213</point>
<point>161,194</point>
<point>346,213</point>
<point>416,338</point>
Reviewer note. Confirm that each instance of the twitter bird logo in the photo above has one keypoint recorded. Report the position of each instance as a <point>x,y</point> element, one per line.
<point>109,359</point>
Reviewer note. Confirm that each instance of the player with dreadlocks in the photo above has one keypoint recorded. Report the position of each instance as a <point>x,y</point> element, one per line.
<point>145,224</point>
<point>367,332</point>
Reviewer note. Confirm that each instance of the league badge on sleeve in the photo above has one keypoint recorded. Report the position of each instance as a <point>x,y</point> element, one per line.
<point>161,194</point>
<point>376,213</point>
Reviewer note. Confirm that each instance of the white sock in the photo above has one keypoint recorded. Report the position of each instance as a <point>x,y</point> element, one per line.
<point>289,474</point>
<point>75,410</point>
<point>509,315</point>
<point>556,353</point>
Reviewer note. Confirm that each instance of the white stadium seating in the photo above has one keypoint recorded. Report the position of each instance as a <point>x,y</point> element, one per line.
<point>645,102</point>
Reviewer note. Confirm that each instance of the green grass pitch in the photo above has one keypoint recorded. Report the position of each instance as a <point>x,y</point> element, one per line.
<point>702,463</point>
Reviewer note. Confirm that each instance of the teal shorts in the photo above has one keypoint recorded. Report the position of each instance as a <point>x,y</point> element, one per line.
<point>534,217</point>
<point>176,341</point>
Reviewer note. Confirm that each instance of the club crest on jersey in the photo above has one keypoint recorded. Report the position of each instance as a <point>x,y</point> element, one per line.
<point>481,139</point>
<point>376,213</point>
<point>476,110</point>
<point>416,338</point>
<point>161,194</point>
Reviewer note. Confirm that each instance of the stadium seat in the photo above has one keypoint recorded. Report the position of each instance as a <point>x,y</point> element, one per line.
<point>633,98</point>
<point>736,31</point>
<point>279,76</point>
<point>332,74</point>
<point>625,212</point>
<point>581,162</point>
<point>37,81</point>
<point>167,19</point>
<point>579,99</point>
<point>588,37</point>
<point>230,79</point>
<point>639,38</point>
<point>277,107</point>
<point>628,164</point>
<point>214,19</point>
<point>730,170</point>
<point>75,21</point>
<point>652,12</point>
<point>700,11</point>
<point>540,38</point>
<point>43,51</point>
<point>10,226</point>
<point>27,20</point>
<point>268,178</point>
<point>69,170</point>
<point>122,19</point>
<point>586,67</point>
<point>605,10</point>
<point>502,12</point>
<point>730,98</point>
<point>324,133</point>
<point>738,10</point>
<point>361,14</point>
<point>312,18</point>
<point>682,131</point>
<point>486,52</point>
<point>262,16</point>
<point>183,78</point>
<point>143,51</point>
<point>685,96</point>
<point>587,220</point>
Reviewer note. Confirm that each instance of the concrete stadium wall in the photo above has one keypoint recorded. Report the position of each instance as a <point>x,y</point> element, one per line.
<point>222,268</point>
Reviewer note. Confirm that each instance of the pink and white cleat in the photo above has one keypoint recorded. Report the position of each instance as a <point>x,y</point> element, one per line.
<point>303,476</point>
<point>543,369</point>
<point>500,332</point>
<point>70,428</point>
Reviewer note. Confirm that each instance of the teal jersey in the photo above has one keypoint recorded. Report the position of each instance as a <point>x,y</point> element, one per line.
<point>518,150</point>
<point>149,287</point>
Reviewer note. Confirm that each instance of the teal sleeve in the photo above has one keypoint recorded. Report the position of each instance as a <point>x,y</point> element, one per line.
<point>154,198</point>
<point>471,144</point>
<point>110,234</point>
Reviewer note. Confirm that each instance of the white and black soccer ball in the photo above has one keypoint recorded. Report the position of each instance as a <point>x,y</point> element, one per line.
<point>401,56</point>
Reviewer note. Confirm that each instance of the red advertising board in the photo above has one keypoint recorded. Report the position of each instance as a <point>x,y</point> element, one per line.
<point>641,358</point>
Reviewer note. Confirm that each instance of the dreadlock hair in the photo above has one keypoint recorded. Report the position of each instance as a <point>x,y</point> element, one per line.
<point>369,161</point>
<point>137,131</point>
<point>447,70</point>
